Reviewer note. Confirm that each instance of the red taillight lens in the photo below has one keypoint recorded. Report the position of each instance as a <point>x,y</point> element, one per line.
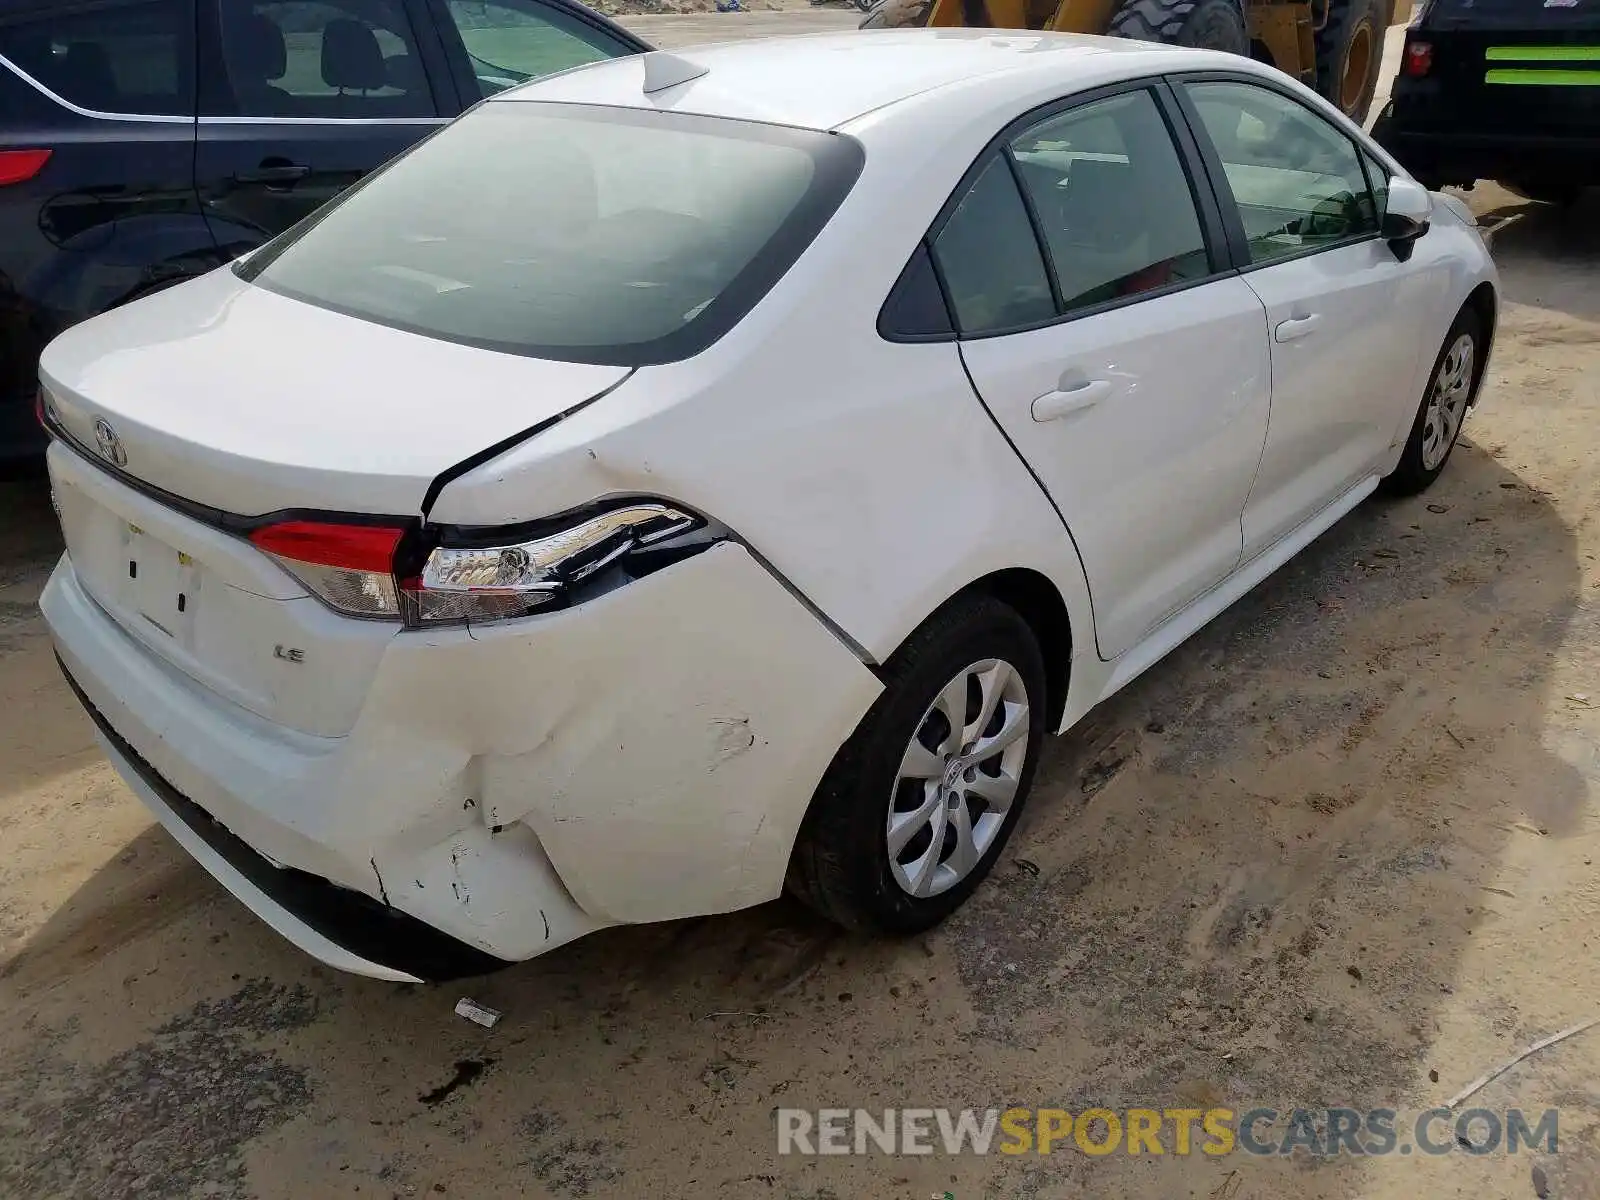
<point>1419,59</point>
<point>356,547</point>
<point>349,567</point>
<point>19,166</point>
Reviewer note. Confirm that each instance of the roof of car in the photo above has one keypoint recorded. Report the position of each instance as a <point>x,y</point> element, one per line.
<point>822,81</point>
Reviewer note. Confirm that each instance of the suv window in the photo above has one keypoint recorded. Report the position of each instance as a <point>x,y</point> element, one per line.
<point>1112,200</point>
<point>989,257</point>
<point>511,41</point>
<point>1525,15</point>
<point>323,58</point>
<point>1297,180</point>
<point>131,57</point>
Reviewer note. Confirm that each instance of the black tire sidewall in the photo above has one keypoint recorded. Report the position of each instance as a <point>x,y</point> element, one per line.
<point>1409,476</point>
<point>1217,25</point>
<point>846,830</point>
<point>1333,48</point>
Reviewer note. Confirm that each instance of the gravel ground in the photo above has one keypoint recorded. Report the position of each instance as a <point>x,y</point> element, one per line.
<point>1339,849</point>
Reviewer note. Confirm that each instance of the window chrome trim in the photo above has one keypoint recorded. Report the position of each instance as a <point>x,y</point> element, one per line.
<point>178,119</point>
<point>160,118</point>
<point>433,120</point>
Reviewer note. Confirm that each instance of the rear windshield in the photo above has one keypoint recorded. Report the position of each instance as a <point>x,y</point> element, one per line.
<point>1515,15</point>
<point>583,233</point>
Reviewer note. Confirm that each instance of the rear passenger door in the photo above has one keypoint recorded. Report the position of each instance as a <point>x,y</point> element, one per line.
<point>1100,324</point>
<point>301,98</point>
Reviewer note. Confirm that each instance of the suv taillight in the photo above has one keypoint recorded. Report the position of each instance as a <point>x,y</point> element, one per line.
<point>19,166</point>
<point>1418,59</point>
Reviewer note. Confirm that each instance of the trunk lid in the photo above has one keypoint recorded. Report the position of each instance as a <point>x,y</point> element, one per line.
<point>237,402</point>
<point>238,399</point>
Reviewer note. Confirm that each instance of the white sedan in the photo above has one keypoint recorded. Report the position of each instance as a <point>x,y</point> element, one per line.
<point>687,478</point>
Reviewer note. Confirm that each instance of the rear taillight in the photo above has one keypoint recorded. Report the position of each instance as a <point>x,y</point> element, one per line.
<point>349,567</point>
<point>1418,59</point>
<point>19,166</point>
<point>476,583</point>
<point>460,577</point>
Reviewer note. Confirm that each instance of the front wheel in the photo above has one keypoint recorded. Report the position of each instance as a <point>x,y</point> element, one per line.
<point>1443,410</point>
<point>918,804</point>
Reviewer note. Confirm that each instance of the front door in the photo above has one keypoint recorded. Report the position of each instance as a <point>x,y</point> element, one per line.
<point>300,99</point>
<point>1345,313</point>
<point>1127,368</point>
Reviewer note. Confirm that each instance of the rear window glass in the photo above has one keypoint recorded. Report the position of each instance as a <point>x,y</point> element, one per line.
<point>1531,15</point>
<point>122,57</point>
<point>589,234</point>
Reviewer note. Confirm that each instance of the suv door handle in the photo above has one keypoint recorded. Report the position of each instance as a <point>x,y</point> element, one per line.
<point>1297,327</point>
<point>274,174</point>
<point>1052,406</point>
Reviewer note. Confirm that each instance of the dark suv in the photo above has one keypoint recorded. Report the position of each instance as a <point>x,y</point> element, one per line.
<point>146,141</point>
<point>1500,89</point>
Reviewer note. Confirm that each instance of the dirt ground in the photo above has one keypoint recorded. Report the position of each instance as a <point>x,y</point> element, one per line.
<point>1337,850</point>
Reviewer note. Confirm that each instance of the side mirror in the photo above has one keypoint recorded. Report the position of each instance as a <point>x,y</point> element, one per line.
<point>1406,216</point>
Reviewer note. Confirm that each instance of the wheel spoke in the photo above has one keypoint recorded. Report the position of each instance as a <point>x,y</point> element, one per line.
<point>952,702</point>
<point>1015,725</point>
<point>992,685</point>
<point>923,870</point>
<point>965,854</point>
<point>903,826</point>
<point>921,763</point>
<point>997,791</point>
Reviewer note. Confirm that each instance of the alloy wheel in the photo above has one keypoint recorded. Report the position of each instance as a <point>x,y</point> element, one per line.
<point>1447,402</point>
<point>958,778</point>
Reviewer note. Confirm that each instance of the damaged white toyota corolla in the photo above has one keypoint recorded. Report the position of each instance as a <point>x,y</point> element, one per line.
<point>680,479</point>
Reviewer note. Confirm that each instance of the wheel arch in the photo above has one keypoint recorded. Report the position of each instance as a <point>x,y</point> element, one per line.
<point>1040,603</point>
<point>1485,304</point>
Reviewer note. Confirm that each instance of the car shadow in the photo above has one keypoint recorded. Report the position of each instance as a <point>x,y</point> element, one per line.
<point>1551,255</point>
<point>1251,876</point>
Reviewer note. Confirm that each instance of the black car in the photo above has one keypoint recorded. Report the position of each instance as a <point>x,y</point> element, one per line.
<point>1500,89</point>
<point>146,141</point>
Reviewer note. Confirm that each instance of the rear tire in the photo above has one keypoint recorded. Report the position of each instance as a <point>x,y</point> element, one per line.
<point>910,767</point>
<point>1350,54</point>
<point>1452,387</point>
<point>1206,24</point>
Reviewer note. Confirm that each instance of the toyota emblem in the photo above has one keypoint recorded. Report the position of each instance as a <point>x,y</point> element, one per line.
<point>109,443</point>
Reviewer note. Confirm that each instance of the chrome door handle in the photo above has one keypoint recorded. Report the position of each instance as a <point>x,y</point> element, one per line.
<point>1297,327</point>
<point>1052,406</point>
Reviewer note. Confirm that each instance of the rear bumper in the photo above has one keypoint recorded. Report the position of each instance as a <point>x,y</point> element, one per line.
<point>644,756</point>
<point>341,927</point>
<point>1452,157</point>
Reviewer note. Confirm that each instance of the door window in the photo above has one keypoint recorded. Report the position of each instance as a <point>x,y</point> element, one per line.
<point>511,41</point>
<point>1112,201</point>
<point>354,59</point>
<point>131,57</point>
<point>1297,180</point>
<point>990,260</point>
<point>1378,178</point>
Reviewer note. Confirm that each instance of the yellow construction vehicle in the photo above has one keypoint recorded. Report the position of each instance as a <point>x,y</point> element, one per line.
<point>1333,46</point>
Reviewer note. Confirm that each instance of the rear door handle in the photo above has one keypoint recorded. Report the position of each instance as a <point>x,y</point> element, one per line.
<point>276,174</point>
<point>1062,402</point>
<point>1297,327</point>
